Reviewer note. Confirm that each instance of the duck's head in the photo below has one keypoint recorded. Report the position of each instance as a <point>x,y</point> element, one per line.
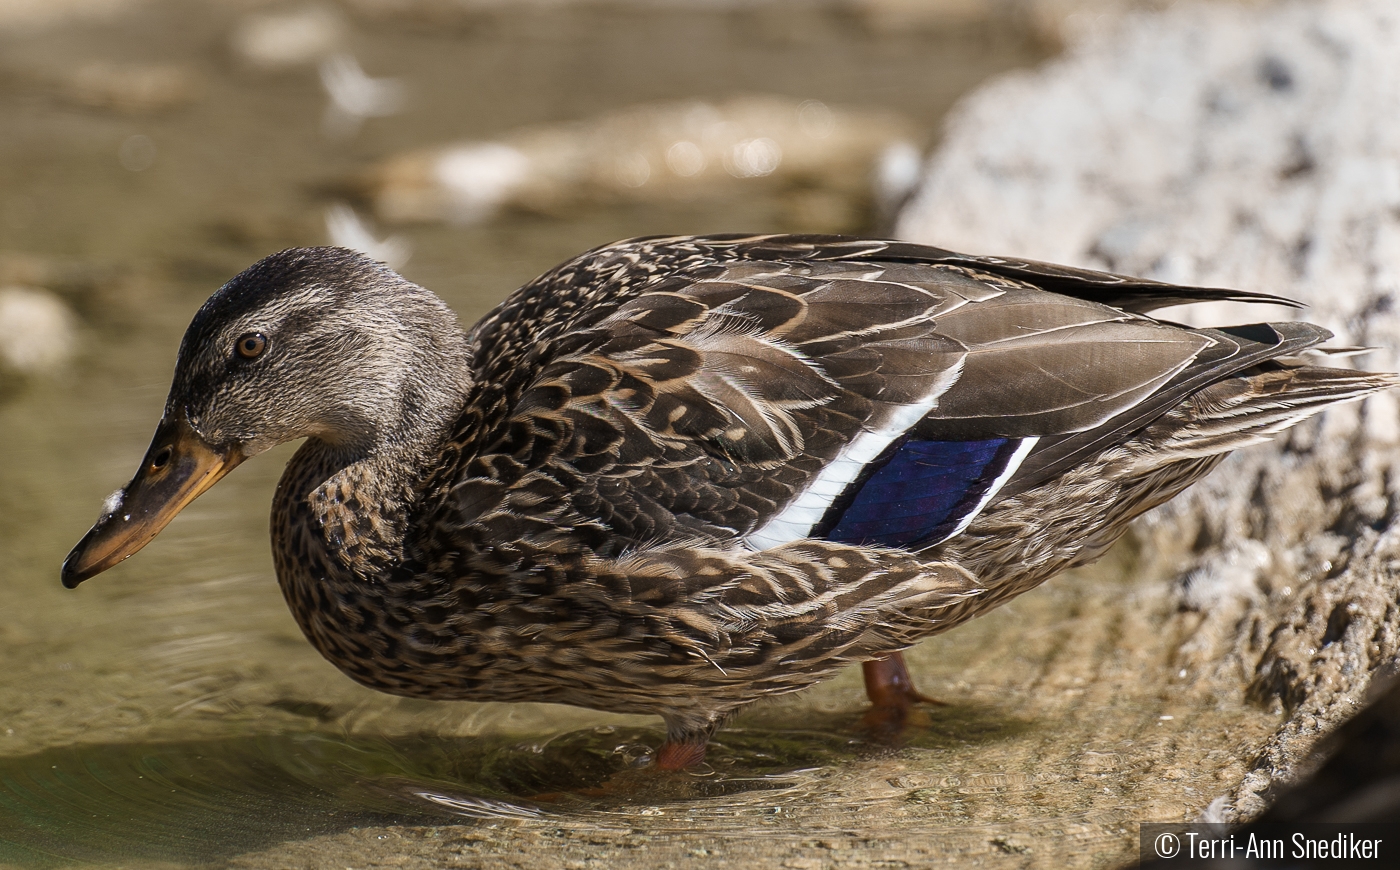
<point>319,343</point>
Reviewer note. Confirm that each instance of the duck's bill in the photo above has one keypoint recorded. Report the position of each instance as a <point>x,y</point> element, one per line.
<point>178,467</point>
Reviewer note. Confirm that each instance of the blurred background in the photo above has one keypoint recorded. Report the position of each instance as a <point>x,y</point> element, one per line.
<point>169,712</point>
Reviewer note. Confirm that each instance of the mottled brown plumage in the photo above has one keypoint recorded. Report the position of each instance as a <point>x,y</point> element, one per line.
<point>675,475</point>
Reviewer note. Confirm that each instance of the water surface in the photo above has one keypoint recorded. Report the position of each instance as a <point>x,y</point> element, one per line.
<point>169,713</point>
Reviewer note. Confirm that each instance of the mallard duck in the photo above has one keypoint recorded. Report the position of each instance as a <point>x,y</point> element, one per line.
<point>676,475</point>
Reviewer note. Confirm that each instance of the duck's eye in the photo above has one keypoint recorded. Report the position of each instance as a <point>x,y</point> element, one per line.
<point>251,345</point>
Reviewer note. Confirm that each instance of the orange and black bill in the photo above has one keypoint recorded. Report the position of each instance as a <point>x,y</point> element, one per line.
<point>178,467</point>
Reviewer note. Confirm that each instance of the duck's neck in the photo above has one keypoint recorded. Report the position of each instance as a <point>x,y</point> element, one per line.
<point>347,505</point>
<point>354,507</point>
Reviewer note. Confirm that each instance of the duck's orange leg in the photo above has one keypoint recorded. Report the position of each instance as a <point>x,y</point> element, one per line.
<point>892,695</point>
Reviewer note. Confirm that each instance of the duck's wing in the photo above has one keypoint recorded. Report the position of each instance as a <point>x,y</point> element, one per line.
<point>789,393</point>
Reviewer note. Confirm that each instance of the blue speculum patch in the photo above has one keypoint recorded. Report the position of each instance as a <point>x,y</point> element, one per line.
<point>921,493</point>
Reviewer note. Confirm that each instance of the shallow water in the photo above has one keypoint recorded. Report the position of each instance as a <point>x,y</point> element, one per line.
<point>206,800</point>
<point>169,712</point>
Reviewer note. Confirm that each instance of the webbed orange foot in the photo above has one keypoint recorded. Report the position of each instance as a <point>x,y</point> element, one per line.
<point>664,778</point>
<point>679,755</point>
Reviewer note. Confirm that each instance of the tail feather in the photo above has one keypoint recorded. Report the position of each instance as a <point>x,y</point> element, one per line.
<point>1235,352</point>
<point>1252,407</point>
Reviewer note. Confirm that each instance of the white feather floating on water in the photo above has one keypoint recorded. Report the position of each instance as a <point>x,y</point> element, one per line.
<point>346,229</point>
<point>355,96</point>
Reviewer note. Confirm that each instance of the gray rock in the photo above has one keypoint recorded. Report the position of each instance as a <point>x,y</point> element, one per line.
<point>37,331</point>
<point>1251,147</point>
<point>682,151</point>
